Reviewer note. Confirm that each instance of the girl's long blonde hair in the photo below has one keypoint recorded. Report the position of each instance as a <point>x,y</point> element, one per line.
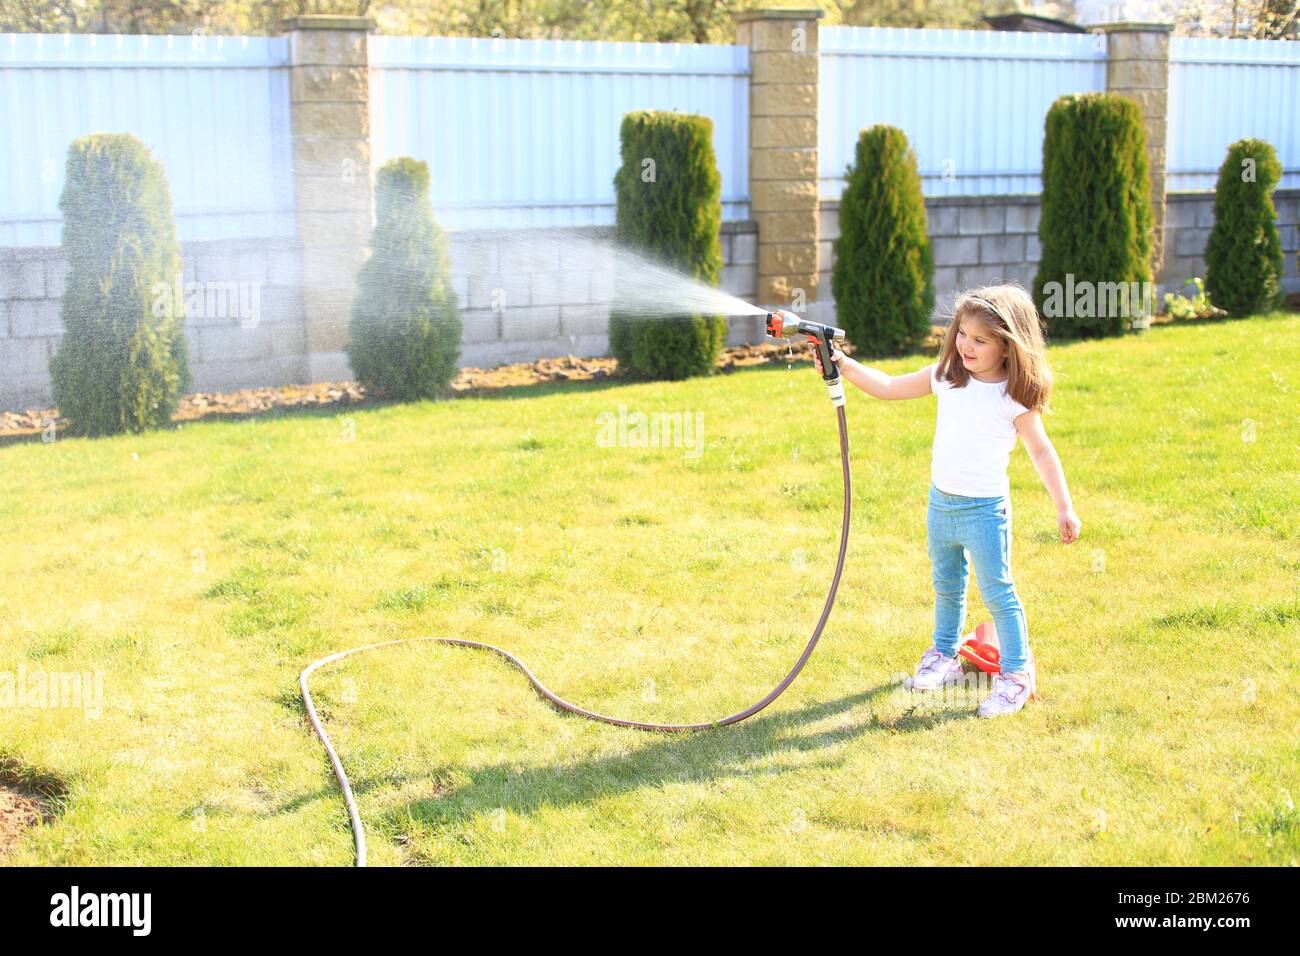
<point>1009,313</point>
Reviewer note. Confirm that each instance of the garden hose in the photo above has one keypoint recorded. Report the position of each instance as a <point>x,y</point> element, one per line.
<point>358,831</point>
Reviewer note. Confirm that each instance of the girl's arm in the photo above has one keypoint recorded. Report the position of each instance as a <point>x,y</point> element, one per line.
<point>1048,464</point>
<point>877,383</point>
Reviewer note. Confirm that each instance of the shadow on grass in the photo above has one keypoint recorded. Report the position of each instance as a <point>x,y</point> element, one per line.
<point>742,750</point>
<point>690,757</point>
<point>667,758</point>
<point>693,757</point>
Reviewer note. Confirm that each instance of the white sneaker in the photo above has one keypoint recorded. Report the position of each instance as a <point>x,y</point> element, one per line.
<point>935,670</point>
<point>1010,692</point>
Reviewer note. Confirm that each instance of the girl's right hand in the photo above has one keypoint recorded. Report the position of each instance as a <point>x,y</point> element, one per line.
<point>836,356</point>
<point>1069,525</point>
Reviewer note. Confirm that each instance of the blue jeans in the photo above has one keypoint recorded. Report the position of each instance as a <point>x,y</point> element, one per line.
<point>956,525</point>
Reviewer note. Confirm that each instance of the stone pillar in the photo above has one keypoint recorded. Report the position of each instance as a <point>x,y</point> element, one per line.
<point>329,105</point>
<point>783,62</point>
<point>1137,66</point>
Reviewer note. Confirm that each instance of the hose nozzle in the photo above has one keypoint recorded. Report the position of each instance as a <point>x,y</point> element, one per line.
<point>784,325</point>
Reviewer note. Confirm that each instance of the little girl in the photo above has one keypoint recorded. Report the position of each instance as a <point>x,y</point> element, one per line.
<point>992,382</point>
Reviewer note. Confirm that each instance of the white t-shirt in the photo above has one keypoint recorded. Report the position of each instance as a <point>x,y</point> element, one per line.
<point>974,434</point>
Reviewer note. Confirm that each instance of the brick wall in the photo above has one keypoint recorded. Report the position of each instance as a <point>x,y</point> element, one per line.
<point>265,346</point>
<point>980,240</point>
<point>546,307</point>
<point>1189,218</point>
<point>976,240</point>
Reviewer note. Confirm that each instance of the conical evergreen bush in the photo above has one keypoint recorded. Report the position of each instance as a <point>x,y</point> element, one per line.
<point>1096,228</point>
<point>883,278</point>
<point>406,326</point>
<point>1243,256</point>
<point>122,363</point>
<point>669,196</point>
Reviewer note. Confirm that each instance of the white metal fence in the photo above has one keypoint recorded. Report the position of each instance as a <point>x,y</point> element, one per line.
<point>972,102</point>
<point>1221,91</point>
<point>214,110</point>
<point>522,133</point>
<point>525,132</point>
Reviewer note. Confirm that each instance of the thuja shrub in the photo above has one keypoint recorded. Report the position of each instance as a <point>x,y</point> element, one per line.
<point>1096,228</point>
<point>1243,255</point>
<point>122,363</point>
<point>405,329</point>
<point>669,196</point>
<point>883,278</point>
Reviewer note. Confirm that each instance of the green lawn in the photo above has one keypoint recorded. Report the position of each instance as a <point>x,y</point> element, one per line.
<point>200,569</point>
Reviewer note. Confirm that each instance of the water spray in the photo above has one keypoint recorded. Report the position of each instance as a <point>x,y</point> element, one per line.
<point>780,324</point>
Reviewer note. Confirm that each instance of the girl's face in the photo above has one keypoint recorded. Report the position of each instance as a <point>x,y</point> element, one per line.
<point>981,351</point>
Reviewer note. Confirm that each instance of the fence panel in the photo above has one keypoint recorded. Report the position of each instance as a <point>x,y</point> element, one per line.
<point>214,110</point>
<point>972,102</point>
<point>522,133</point>
<point>1221,91</point>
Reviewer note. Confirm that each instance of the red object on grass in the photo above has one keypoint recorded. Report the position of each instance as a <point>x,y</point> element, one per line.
<point>981,648</point>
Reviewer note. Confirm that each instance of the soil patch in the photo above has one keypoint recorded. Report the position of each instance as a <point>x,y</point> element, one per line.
<point>470,381</point>
<point>18,813</point>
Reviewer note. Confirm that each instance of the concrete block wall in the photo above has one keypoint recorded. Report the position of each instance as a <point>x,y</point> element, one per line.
<point>31,285</point>
<point>264,346</point>
<point>522,299</point>
<point>981,240</point>
<point>229,351</point>
<point>1189,219</point>
<point>543,307</point>
<point>975,240</point>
